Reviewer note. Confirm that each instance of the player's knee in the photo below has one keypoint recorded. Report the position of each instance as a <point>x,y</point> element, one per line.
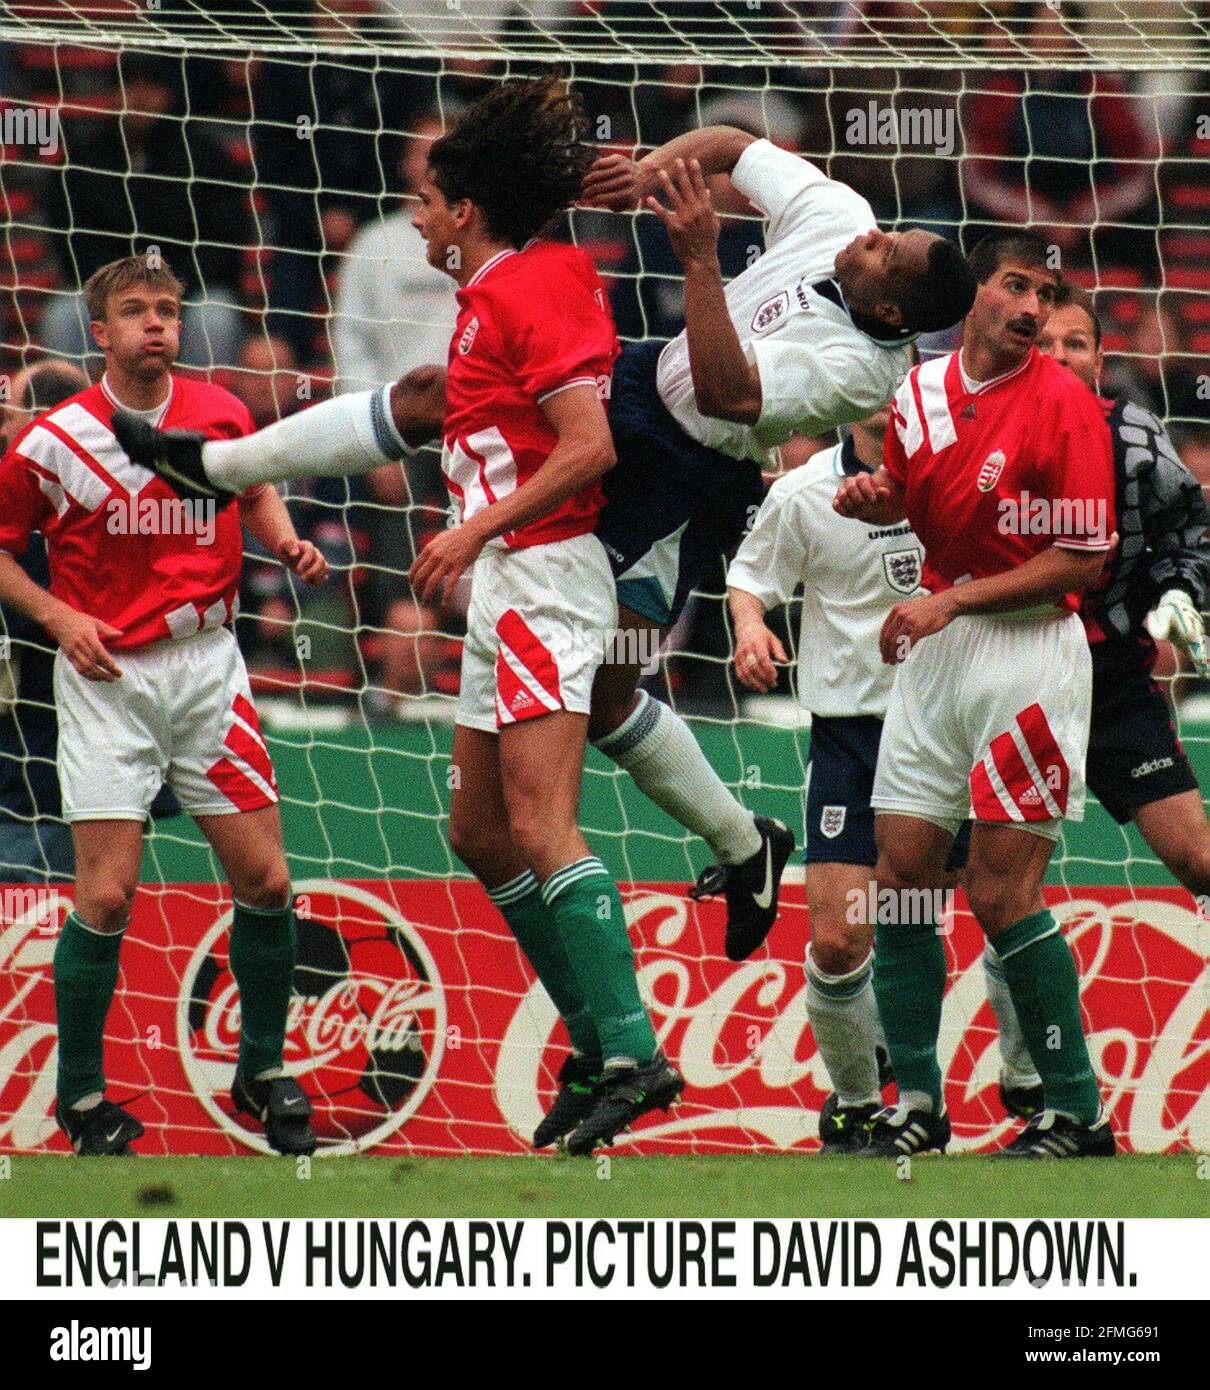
<point>475,844</point>
<point>998,901</point>
<point>530,826</point>
<point>610,710</point>
<point>1190,865</point>
<point>105,904</point>
<point>897,871</point>
<point>265,885</point>
<point>837,947</point>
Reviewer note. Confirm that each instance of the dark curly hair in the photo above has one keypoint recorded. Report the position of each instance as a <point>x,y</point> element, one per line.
<point>518,154</point>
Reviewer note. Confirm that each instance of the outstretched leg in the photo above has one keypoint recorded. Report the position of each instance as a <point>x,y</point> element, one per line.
<point>651,742</point>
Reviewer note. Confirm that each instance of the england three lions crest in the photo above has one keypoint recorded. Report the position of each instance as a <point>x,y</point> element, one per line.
<point>902,569</point>
<point>831,821</point>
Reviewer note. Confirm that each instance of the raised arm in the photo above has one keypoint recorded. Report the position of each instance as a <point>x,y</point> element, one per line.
<point>725,384</point>
<point>617,182</point>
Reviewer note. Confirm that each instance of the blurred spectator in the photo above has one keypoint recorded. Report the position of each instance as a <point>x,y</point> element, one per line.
<point>292,623</point>
<point>266,378</point>
<point>1161,374</point>
<point>393,311</point>
<point>411,649</point>
<point>146,177</point>
<point>1064,151</point>
<point>326,131</point>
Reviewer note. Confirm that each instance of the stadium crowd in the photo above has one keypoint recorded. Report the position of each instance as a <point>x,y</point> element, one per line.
<point>281,189</point>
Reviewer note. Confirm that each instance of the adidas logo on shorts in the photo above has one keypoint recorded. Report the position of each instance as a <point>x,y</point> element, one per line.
<point>521,700</point>
<point>1031,796</point>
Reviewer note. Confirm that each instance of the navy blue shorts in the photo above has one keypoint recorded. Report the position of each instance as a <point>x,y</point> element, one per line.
<point>1134,754</point>
<point>672,506</point>
<point>840,820</point>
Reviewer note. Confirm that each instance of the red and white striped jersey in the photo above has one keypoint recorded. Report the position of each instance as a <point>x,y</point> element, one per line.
<point>996,472</point>
<point>531,323</point>
<point>122,546</point>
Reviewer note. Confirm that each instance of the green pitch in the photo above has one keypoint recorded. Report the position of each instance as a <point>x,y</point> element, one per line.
<point>721,1186</point>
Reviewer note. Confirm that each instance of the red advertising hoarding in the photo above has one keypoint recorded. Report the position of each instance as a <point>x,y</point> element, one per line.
<point>417,1028</point>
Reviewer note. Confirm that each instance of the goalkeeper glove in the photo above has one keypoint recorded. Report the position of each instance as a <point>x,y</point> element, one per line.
<point>1176,618</point>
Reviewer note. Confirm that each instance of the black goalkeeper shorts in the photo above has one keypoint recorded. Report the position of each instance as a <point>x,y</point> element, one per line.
<point>1134,754</point>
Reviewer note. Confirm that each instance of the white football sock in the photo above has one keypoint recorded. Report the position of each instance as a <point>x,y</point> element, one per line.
<point>657,748</point>
<point>348,434</point>
<point>844,1018</point>
<point>1017,1068</point>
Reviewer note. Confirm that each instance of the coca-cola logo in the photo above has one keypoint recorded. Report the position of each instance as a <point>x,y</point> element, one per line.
<point>365,1030</point>
<point>741,1037</point>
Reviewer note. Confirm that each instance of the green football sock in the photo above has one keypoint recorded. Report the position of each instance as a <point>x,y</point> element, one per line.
<point>1042,980</point>
<point>85,975</point>
<point>261,955</point>
<point>533,924</point>
<point>588,910</point>
<point>909,984</point>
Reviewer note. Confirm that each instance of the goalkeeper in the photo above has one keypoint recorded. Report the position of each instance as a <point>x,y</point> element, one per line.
<point>811,336</point>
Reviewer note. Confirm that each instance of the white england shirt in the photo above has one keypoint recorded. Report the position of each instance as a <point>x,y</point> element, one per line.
<point>852,575</point>
<point>817,370</point>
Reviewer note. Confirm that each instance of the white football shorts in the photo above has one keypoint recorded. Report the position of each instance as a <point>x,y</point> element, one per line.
<point>182,713</point>
<point>988,720</point>
<point>540,622</point>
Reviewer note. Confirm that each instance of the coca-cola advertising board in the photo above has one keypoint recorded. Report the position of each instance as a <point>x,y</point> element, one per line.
<point>416,1027</point>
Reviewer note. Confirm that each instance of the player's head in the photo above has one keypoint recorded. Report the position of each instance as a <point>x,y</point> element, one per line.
<point>913,280</point>
<point>1072,334</point>
<point>1017,291</point>
<point>35,390</point>
<point>513,161</point>
<point>135,308</point>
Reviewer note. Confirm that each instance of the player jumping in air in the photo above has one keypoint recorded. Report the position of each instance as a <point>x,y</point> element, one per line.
<point>812,335</point>
<point>150,687</point>
<point>526,441</point>
<point>989,713</point>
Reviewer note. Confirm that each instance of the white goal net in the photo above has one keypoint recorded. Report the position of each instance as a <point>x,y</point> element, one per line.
<point>269,150</point>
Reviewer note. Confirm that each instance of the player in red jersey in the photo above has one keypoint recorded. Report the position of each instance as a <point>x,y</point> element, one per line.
<point>526,441</point>
<point>150,687</point>
<point>1001,462</point>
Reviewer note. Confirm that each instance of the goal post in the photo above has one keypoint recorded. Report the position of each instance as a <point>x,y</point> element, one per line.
<point>415,1025</point>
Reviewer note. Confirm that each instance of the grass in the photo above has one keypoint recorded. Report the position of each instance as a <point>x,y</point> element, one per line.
<point>754,1186</point>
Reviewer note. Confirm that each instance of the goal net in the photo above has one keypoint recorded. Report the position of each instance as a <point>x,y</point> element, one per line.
<point>269,150</point>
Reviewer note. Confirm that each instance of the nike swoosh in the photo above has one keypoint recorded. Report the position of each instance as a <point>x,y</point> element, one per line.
<point>291,1100</point>
<point>109,1138</point>
<point>764,898</point>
